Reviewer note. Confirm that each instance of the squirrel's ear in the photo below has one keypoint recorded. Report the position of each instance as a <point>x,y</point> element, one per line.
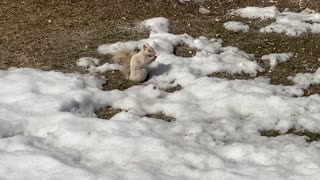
<point>145,46</point>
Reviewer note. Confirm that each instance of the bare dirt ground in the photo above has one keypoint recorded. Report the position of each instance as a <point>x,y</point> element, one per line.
<point>53,34</point>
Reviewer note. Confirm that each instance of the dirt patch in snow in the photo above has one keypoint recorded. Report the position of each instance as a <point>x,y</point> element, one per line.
<point>107,112</point>
<point>310,136</point>
<point>184,51</point>
<point>313,89</point>
<point>161,116</point>
<point>174,89</point>
<point>116,80</point>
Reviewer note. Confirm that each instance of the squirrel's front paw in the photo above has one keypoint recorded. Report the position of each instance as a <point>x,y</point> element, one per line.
<point>154,58</point>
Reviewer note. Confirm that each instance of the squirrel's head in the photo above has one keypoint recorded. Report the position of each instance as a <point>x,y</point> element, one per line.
<point>149,51</point>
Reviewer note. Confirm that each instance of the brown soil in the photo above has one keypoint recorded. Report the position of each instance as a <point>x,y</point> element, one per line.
<point>174,89</point>
<point>107,112</point>
<point>161,116</point>
<point>116,80</point>
<point>185,51</point>
<point>310,136</point>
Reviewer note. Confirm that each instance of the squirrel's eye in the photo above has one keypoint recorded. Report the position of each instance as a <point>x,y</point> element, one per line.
<point>149,51</point>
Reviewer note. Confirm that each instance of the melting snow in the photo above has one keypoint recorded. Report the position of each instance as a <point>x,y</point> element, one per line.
<point>236,26</point>
<point>257,12</point>
<point>276,58</point>
<point>307,79</point>
<point>49,131</point>
<point>289,23</point>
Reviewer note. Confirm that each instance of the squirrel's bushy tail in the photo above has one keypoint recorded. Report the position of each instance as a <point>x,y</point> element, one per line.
<point>123,58</point>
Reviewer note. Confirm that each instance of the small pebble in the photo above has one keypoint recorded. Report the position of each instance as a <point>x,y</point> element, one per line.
<point>203,10</point>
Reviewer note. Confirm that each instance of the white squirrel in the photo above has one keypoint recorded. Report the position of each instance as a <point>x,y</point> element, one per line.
<point>134,65</point>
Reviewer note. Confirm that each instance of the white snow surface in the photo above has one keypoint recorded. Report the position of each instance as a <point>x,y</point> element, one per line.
<point>92,65</point>
<point>157,25</point>
<point>236,26</point>
<point>286,22</point>
<point>88,62</point>
<point>256,12</point>
<point>276,58</point>
<point>306,80</point>
<point>49,130</point>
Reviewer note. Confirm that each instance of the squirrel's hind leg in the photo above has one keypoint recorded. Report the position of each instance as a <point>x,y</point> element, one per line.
<point>126,71</point>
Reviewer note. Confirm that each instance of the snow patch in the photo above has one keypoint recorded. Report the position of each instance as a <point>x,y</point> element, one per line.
<point>157,25</point>
<point>88,62</point>
<point>210,52</point>
<point>277,58</point>
<point>289,23</point>
<point>307,79</point>
<point>92,65</point>
<point>236,26</point>
<point>256,12</point>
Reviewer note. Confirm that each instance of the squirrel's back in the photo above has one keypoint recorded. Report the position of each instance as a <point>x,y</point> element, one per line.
<point>123,58</point>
